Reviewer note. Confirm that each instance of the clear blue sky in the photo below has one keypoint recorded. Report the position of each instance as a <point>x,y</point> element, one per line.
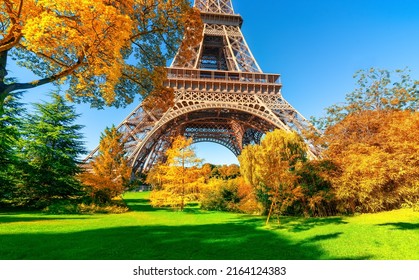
<point>316,46</point>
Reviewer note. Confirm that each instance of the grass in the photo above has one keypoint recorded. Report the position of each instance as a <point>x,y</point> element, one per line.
<point>150,233</point>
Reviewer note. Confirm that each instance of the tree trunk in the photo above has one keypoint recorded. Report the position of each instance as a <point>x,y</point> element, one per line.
<point>270,212</point>
<point>182,202</point>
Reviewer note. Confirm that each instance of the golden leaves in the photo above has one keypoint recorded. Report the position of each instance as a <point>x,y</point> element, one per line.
<point>269,167</point>
<point>91,41</point>
<point>176,181</point>
<point>109,171</point>
<point>378,153</point>
<point>193,35</point>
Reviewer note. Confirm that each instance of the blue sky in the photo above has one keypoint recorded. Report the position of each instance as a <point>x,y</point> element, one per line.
<point>316,46</point>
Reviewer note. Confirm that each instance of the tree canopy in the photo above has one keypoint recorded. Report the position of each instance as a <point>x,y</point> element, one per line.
<point>373,141</point>
<point>107,51</point>
<point>378,89</point>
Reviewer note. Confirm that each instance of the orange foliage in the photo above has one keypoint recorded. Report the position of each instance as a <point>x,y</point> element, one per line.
<point>192,37</point>
<point>179,178</point>
<point>268,168</point>
<point>89,42</point>
<point>108,173</point>
<point>378,155</point>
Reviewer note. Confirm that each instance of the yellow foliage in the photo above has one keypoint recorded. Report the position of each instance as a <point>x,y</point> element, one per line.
<point>268,167</point>
<point>90,40</point>
<point>178,180</point>
<point>378,154</point>
<point>108,173</point>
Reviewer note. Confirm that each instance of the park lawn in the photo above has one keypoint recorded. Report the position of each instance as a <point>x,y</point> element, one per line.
<point>164,234</point>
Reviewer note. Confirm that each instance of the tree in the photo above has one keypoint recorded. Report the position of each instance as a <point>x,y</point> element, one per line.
<point>270,166</point>
<point>93,45</point>
<point>10,130</point>
<point>318,198</point>
<point>51,145</point>
<point>377,90</point>
<point>378,155</point>
<point>229,171</point>
<point>372,140</point>
<point>107,175</point>
<point>180,175</point>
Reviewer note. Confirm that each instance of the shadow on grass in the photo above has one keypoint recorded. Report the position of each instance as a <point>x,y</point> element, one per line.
<point>323,237</point>
<point>294,224</point>
<point>201,242</point>
<point>402,226</point>
<point>241,238</point>
<point>12,218</point>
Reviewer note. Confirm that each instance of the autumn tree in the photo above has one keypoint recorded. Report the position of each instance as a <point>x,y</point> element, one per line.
<point>107,175</point>
<point>230,171</point>
<point>378,155</point>
<point>180,177</point>
<point>372,140</point>
<point>51,145</point>
<point>106,51</point>
<point>269,167</point>
<point>378,90</point>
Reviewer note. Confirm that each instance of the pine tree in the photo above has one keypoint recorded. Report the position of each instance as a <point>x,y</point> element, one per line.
<point>10,125</point>
<point>51,146</point>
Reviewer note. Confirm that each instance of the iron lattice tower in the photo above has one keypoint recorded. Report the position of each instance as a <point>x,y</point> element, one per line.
<point>221,96</point>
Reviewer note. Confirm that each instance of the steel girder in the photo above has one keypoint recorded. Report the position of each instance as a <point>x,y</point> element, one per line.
<point>215,6</point>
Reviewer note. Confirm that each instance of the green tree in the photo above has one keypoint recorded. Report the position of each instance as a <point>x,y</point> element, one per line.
<point>51,146</point>
<point>180,175</point>
<point>318,198</point>
<point>10,127</point>
<point>107,51</point>
<point>107,175</point>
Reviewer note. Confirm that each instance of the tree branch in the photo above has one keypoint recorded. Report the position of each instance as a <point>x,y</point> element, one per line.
<point>21,86</point>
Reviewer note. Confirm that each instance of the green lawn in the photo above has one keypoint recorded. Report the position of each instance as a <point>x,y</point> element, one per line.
<point>149,233</point>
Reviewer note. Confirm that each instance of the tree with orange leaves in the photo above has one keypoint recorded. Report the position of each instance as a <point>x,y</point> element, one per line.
<point>108,174</point>
<point>178,178</point>
<point>270,169</point>
<point>106,51</point>
<point>373,140</point>
<point>377,153</point>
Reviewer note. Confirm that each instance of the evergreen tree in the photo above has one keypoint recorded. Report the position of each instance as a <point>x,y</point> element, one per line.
<point>10,125</point>
<point>51,146</point>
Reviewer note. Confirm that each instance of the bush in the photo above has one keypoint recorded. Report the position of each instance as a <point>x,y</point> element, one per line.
<point>229,195</point>
<point>74,207</point>
<point>220,195</point>
<point>101,209</point>
<point>62,207</point>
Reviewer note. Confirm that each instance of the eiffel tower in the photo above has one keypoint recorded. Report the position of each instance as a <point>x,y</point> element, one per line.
<point>221,96</point>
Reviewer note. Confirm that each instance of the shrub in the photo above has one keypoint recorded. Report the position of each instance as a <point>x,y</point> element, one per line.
<point>232,195</point>
<point>74,207</point>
